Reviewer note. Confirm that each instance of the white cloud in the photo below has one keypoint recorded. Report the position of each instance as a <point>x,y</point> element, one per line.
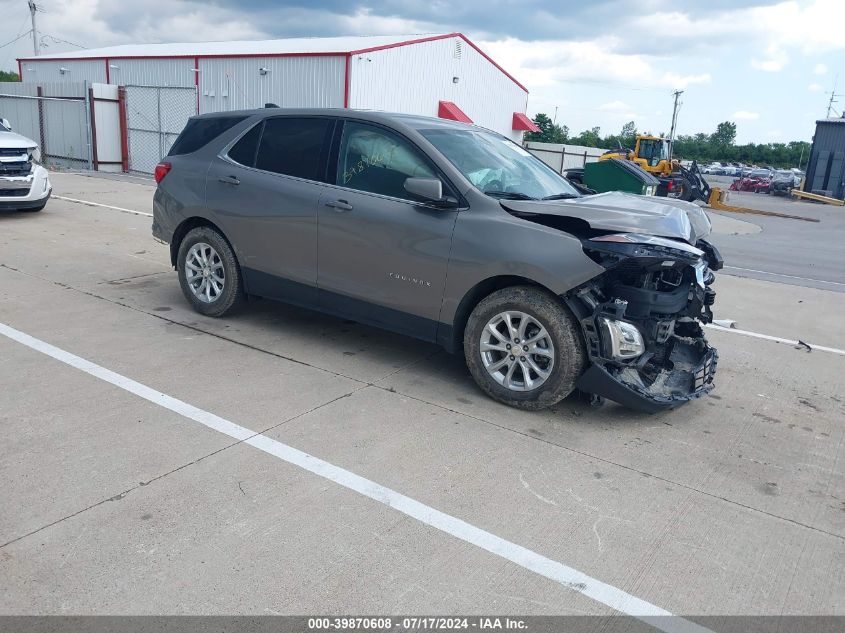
<point>815,87</point>
<point>599,61</point>
<point>820,69</point>
<point>745,115</point>
<point>776,60</point>
<point>614,106</point>
<point>683,81</point>
<point>364,22</point>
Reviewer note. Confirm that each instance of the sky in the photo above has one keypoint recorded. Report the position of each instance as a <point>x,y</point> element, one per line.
<point>768,66</point>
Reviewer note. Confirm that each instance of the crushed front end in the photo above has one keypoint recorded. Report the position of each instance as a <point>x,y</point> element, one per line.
<point>642,320</point>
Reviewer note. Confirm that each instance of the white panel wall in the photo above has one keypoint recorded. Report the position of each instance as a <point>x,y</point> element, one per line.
<point>561,157</point>
<point>92,70</point>
<point>152,72</point>
<point>236,83</point>
<point>414,79</point>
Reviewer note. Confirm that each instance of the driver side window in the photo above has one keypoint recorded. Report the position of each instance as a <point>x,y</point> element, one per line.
<point>373,159</point>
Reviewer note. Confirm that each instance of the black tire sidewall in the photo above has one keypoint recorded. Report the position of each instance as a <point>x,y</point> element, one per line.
<point>232,289</point>
<point>555,317</point>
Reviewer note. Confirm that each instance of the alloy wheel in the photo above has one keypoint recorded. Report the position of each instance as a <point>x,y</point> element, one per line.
<point>517,351</point>
<point>204,272</point>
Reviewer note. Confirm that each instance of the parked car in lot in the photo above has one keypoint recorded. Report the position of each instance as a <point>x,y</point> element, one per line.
<point>783,182</point>
<point>449,233</point>
<point>24,184</point>
<point>715,169</point>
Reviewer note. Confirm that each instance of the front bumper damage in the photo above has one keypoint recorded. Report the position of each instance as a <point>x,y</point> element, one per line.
<point>641,321</point>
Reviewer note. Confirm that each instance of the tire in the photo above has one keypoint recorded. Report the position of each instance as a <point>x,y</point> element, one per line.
<point>687,194</point>
<point>568,358</point>
<point>205,253</point>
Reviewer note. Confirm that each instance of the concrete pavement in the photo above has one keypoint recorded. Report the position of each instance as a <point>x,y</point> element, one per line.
<point>734,504</point>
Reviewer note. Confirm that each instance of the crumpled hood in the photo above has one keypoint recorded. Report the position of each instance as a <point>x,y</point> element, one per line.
<point>10,140</point>
<point>625,212</point>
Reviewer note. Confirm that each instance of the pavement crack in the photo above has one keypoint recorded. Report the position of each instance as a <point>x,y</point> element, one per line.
<point>365,384</point>
<point>142,484</point>
<point>618,465</point>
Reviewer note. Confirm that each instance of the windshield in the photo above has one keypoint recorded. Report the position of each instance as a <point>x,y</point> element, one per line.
<point>653,150</point>
<point>498,166</point>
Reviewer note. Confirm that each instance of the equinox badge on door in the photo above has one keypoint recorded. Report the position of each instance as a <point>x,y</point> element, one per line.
<point>410,280</point>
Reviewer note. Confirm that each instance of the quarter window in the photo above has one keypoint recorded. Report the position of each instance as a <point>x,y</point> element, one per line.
<point>375,160</point>
<point>199,132</point>
<point>294,147</point>
<point>244,150</point>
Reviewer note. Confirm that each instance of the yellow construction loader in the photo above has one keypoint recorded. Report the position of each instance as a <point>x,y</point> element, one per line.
<point>652,154</point>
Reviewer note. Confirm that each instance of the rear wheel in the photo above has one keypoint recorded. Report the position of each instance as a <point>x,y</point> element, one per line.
<point>524,348</point>
<point>687,191</point>
<point>209,273</point>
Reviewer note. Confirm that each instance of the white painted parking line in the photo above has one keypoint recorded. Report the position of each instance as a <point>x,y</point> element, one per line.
<point>105,206</point>
<point>558,572</point>
<point>766,272</point>
<point>776,339</point>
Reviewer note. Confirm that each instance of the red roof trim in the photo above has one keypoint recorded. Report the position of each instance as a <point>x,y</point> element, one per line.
<point>89,59</point>
<point>522,122</point>
<point>448,110</point>
<point>321,54</point>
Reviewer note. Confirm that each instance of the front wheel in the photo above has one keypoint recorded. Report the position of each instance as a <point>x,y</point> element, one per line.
<point>209,273</point>
<point>524,348</point>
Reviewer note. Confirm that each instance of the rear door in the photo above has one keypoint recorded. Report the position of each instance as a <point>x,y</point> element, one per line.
<point>382,254</point>
<point>266,188</point>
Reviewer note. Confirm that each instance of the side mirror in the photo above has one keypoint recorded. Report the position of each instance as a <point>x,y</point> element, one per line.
<point>6,124</point>
<point>430,189</point>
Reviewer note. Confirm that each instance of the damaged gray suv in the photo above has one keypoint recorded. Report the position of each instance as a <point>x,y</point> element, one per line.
<point>448,233</point>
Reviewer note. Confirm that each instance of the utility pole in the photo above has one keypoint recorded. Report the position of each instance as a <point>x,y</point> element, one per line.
<point>677,95</point>
<point>36,48</point>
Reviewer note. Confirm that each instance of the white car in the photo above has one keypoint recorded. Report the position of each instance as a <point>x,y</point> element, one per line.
<point>24,183</point>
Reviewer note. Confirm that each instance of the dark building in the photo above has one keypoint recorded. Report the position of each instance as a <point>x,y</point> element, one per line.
<point>826,169</point>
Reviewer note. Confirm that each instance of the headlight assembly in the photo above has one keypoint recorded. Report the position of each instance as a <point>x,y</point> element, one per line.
<point>624,338</point>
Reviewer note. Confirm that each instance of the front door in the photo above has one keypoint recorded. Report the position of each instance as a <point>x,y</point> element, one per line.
<point>382,255</point>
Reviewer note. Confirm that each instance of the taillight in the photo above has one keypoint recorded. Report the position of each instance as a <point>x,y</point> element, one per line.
<point>162,169</point>
<point>671,185</point>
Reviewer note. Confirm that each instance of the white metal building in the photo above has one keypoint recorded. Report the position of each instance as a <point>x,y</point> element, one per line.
<point>434,75</point>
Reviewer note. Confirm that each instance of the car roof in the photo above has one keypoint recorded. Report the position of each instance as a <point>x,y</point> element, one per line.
<point>414,121</point>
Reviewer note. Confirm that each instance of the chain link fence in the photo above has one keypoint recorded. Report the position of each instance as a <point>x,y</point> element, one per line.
<point>56,116</point>
<point>155,115</point>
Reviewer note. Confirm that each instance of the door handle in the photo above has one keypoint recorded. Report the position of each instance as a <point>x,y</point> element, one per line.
<point>229,180</point>
<point>339,205</point>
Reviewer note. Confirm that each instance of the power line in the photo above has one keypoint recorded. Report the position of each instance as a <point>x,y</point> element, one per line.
<point>19,37</point>
<point>59,40</point>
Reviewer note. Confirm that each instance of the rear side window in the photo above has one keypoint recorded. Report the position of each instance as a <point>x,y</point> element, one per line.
<point>200,132</point>
<point>245,149</point>
<point>294,147</point>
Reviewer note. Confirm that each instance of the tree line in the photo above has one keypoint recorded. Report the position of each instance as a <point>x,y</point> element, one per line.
<point>702,147</point>
<point>6,75</point>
